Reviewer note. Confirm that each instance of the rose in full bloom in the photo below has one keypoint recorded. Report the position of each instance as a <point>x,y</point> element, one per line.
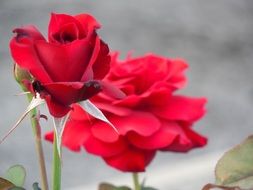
<point>150,118</point>
<point>68,67</point>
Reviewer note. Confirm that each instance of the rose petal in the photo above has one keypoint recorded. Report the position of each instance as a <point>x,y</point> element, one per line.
<point>24,53</point>
<point>112,90</point>
<point>78,113</point>
<point>131,160</point>
<point>160,139</point>
<point>89,74</point>
<point>49,136</point>
<point>116,110</point>
<point>130,101</point>
<point>175,73</point>
<point>30,32</point>
<point>187,140</point>
<point>99,129</point>
<point>181,108</point>
<point>74,135</point>
<point>68,33</point>
<point>56,109</point>
<point>65,63</point>
<point>67,93</point>
<point>88,22</point>
<point>181,143</point>
<point>156,96</point>
<point>197,139</point>
<point>97,147</point>
<point>102,64</point>
<point>143,123</point>
<point>57,21</point>
<point>104,132</point>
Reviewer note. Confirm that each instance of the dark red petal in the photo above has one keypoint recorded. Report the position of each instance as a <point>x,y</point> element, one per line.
<point>24,52</point>
<point>131,160</point>
<point>143,123</point>
<point>97,147</point>
<point>65,63</point>
<point>68,33</point>
<point>102,64</point>
<point>57,21</point>
<point>181,108</point>
<point>160,139</point>
<point>72,92</point>
<point>56,109</point>
<point>89,73</point>
<point>30,32</point>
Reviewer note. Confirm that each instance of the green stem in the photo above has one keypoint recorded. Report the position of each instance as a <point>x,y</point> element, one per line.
<point>20,75</point>
<point>137,185</point>
<point>37,135</point>
<point>56,167</point>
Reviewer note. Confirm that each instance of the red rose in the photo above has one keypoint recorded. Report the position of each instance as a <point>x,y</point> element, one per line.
<point>66,68</point>
<point>150,118</point>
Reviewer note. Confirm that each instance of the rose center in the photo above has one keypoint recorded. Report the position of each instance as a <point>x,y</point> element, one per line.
<point>68,33</point>
<point>64,38</point>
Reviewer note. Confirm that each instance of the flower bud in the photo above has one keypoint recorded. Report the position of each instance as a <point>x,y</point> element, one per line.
<point>21,74</point>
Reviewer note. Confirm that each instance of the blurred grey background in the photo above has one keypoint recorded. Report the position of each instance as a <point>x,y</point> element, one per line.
<point>215,37</point>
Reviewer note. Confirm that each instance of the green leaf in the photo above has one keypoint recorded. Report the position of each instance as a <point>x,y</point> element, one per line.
<point>122,188</point>
<point>16,175</point>
<point>107,186</point>
<point>235,168</point>
<point>148,188</point>
<point>16,188</point>
<point>36,186</point>
<point>219,187</point>
<point>5,184</point>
